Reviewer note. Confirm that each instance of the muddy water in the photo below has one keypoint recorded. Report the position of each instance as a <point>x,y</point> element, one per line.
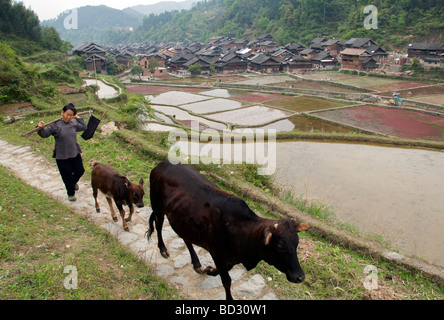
<point>176,98</point>
<point>183,115</point>
<point>255,115</point>
<point>304,104</point>
<point>105,91</point>
<point>394,192</point>
<point>212,106</point>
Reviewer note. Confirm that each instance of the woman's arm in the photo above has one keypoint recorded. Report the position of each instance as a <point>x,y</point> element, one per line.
<point>81,125</point>
<point>44,133</point>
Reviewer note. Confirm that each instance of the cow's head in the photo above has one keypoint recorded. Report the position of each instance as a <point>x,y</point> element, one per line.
<point>281,242</point>
<point>137,193</point>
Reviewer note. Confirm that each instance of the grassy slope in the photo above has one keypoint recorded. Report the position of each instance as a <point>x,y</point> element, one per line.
<point>40,237</point>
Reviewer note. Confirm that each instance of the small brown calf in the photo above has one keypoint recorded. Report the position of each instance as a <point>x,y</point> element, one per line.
<point>116,187</point>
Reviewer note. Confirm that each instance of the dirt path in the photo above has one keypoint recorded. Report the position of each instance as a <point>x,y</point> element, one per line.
<point>40,173</point>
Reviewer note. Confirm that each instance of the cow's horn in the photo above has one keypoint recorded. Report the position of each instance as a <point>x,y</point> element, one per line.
<point>267,240</point>
<point>276,226</point>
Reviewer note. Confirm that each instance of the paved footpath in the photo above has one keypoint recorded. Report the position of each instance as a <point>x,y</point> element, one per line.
<point>43,174</point>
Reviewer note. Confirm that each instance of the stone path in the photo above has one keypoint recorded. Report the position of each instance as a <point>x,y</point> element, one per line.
<point>40,173</point>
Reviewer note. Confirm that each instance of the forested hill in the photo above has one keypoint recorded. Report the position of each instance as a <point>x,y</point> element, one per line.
<point>99,24</point>
<point>399,21</point>
<point>20,28</point>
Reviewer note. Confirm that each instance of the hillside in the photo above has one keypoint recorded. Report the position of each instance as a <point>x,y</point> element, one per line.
<point>399,21</point>
<point>20,28</point>
<point>108,26</point>
<point>161,7</point>
<point>32,59</point>
<point>96,24</point>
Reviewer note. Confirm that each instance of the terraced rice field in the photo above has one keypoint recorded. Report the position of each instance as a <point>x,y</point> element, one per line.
<point>250,116</point>
<point>242,108</point>
<point>176,98</point>
<point>148,89</point>
<point>306,124</point>
<point>305,103</point>
<point>320,86</point>
<point>180,115</point>
<point>256,97</point>
<point>212,106</point>
<point>396,86</point>
<point>400,123</point>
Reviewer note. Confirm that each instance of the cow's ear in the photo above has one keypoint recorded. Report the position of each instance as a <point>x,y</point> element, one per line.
<point>141,181</point>
<point>302,227</point>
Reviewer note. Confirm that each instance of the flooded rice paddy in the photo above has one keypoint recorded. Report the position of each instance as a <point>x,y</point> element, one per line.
<point>105,91</point>
<point>176,98</point>
<point>250,116</point>
<point>242,109</point>
<point>180,114</point>
<point>212,106</point>
<point>402,123</point>
<point>305,103</point>
<point>393,192</point>
<point>306,124</point>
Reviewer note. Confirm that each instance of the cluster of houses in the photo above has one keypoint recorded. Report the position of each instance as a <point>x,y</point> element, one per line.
<point>225,55</point>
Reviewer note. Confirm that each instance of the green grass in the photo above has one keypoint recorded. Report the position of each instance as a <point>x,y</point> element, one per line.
<point>39,237</point>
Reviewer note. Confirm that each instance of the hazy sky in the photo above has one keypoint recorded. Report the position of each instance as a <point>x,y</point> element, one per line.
<point>49,9</point>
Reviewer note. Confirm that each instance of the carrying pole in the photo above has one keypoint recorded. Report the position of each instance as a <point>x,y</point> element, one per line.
<point>27,134</point>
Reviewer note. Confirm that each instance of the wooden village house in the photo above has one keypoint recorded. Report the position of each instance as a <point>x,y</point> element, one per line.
<point>425,50</point>
<point>357,59</point>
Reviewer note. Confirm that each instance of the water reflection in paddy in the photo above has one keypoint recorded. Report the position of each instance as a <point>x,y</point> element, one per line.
<point>176,98</point>
<point>105,91</point>
<point>184,115</point>
<point>256,115</point>
<point>306,124</point>
<point>214,105</point>
<point>390,191</point>
<point>280,126</point>
<point>163,117</point>
<point>221,93</point>
<point>304,104</point>
<point>150,126</point>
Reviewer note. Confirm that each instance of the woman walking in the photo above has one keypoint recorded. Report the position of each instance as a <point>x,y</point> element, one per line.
<point>67,151</point>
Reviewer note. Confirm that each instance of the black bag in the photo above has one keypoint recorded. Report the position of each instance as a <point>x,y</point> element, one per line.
<point>91,128</point>
<point>93,123</point>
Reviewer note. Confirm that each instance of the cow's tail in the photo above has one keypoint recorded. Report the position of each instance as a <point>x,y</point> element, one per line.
<point>151,226</point>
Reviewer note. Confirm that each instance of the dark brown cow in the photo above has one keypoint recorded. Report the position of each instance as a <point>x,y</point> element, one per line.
<point>204,215</point>
<point>117,187</point>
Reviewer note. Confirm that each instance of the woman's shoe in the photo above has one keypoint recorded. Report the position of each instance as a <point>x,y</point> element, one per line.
<point>72,198</point>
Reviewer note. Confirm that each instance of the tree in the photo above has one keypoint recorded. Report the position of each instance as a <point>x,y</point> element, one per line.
<point>137,70</point>
<point>51,39</point>
<point>152,65</point>
<point>195,68</point>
